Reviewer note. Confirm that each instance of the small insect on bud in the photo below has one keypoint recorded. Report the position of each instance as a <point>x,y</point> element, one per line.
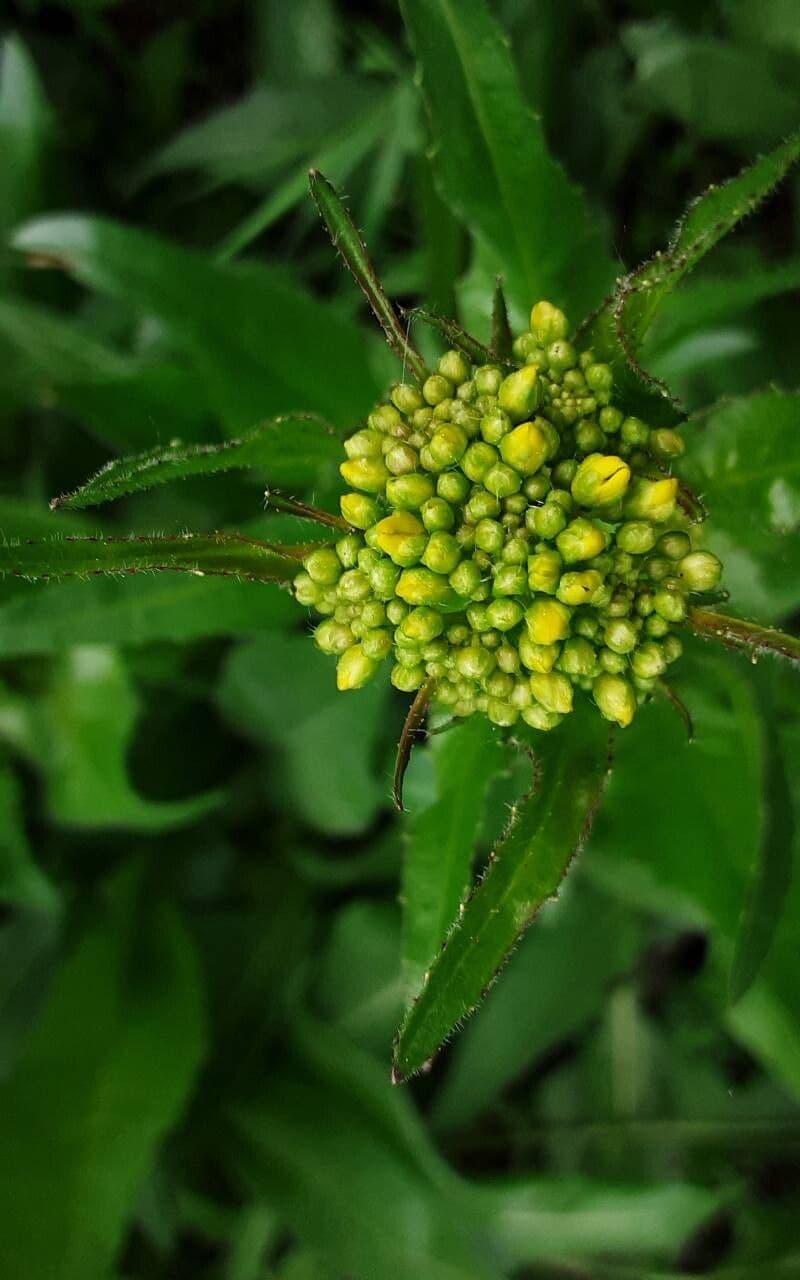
<point>369,474</point>
<point>422,586</point>
<point>544,571</point>
<point>410,491</point>
<point>547,621</point>
<point>354,668</point>
<point>442,553</point>
<point>581,540</point>
<point>651,499</point>
<point>615,698</point>
<point>701,571</point>
<point>553,691</point>
<point>579,588</point>
<point>520,394</point>
<point>548,323</point>
<point>600,479</point>
<point>402,538</point>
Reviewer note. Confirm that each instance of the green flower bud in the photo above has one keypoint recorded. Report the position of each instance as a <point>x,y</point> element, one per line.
<point>658,568</point>
<point>383,579</point>
<point>536,487</point>
<point>616,663</point>
<point>442,553</point>
<point>436,388</point>
<point>615,698</point>
<point>656,627</point>
<point>467,391</point>
<point>637,537</point>
<point>544,571</point>
<point>520,394</point>
<point>507,659</point>
<point>672,648</point>
<point>610,420</point>
<point>369,474</point>
<point>651,499</point>
<point>494,426</point>
<point>465,579</point>
<point>422,586</point>
<point>396,610</point>
<point>579,588</point>
<point>408,679</point>
<point>364,444</point>
<point>510,580</point>
<point>500,684</point>
<point>578,657</point>
<point>377,643</point>
<point>503,614</point>
<point>701,571</point>
<point>547,621</point>
<point>549,520</point>
<point>600,378</point>
<point>670,604</point>
<point>402,537</point>
<point>537,657</point>
<point>482,505</point>
<point>526,448</point>
<point>407,398</point>
<point>410,491</point>
<point>502,481</point>
<point>539,718</point>
<point>501,712</point>
<point>488,379</point>
<point>666,444</point>
<point>359,510</point>
<point>401,459</point>
<point>489,536</point>
<point>635,432</point>
<point>455,367</point>
<point>548,324</point>
<point>620,635</point>
<point>588,437</point>
<point>385,419</point>
<point>553,691</point>
<point>443,411</point>
<point>347,549</point>
<point>323,566</point>
<point>477,460</point>
<point>581,540</point>
<point>453,486</point>
<point>373,613</point>
<point>420,421</point>
<point>600,479</point>
<point>474,662</point>
<point>437,514</point>
<point>448,444</point>
<point>353,586</point>
<point>648,660</point>
<point>422,625</point>
<point>354,668</point>
<point>333,637</point>
<point>674,545</point>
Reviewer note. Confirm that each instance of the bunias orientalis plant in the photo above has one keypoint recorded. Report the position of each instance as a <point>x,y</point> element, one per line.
<point>515,539</point>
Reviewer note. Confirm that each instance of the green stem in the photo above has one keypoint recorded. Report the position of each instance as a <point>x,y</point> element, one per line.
<point>739,633</point>
<point>416,714</point>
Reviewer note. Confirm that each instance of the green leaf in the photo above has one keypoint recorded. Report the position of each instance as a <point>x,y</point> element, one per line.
<point>137,611</point>
<point>77,733</point>
<point>107,1072</point>
<point>618,331</point>
<point>259,344</point>
<point>229,554</point>
<point>441,837</point>
<point>353,251</point>
<point>502,337</point>
<point>295,448</point>
<point>526,869</point>
<point>494,166</point>
<point>305,722</point>
<point>743,456</point>
<point>25,125</point>
<point>22,882</point>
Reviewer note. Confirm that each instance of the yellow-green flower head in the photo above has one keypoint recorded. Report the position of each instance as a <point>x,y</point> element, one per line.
<point>512,542</point>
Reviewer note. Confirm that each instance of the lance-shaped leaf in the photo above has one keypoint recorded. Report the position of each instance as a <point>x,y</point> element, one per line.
<point>441,841</point>
<point>345,237</point>
<point>493,165</point>
<point>290,446</point>
<point>547,828</point>
<point>739,633</point>
<point>618,330</point>
<point>502,337</point>
<point>229,554</point>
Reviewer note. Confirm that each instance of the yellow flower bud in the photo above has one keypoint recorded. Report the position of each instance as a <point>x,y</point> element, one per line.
<point>553,691</point>
<point>548,621</point>
<point>600,479</point>
<point>578,588</point>
<point>651,499</point>
<point>421,586</point>
<point>369,474</point>
<point>615,697</point>
<point>402,537</point>
<point>520,393</point>
<point>581,540</point>
<point>354,668</point>
<point>548,323</point>
<point>525,448</point>
<point>537,657</point>
<point>359,510</point>
<point>544,571</point>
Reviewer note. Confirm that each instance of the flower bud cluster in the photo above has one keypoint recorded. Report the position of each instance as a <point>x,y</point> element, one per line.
<point>515,538</point>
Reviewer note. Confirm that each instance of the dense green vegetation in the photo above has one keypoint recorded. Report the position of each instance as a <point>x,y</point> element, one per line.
<point>214,920</point>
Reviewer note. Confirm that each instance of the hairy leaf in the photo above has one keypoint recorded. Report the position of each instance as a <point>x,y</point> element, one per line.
<point>618,330</point>
<point>493,163</point>
<point>525,870</point>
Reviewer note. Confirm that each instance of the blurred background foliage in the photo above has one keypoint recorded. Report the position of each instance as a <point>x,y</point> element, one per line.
<point>199,867</point>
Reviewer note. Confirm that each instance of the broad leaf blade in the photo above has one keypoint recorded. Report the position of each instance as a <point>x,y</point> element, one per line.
<point>228,554</point>
<point>289,447</point>
<point>526,869</point>
<point>618,330</point>
<point>441,841</point>
<point>493,163</point>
